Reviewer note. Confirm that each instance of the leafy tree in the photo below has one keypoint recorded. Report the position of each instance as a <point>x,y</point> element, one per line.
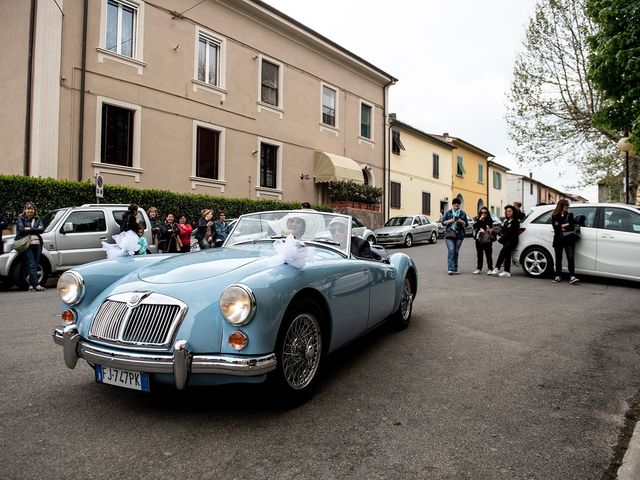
<point>615,70</point>
<point>552,100</point>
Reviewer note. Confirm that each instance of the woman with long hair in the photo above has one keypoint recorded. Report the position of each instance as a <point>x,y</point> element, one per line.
<point>482,230</point>
<point>29,224</point>
<point>508,239</point>
<point>562,221</point>
<point>205,232</point>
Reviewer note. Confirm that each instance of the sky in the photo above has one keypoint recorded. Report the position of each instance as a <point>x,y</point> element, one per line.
<point>453,60</point>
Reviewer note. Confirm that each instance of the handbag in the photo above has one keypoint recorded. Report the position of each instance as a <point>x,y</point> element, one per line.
<point>22,245</point>
<point>484,238</point>
<point>571,236</point>
<point>450,233</point>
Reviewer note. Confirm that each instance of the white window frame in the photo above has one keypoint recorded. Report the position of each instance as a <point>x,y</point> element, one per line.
<point>326,126</point>
<point>137,60</point>
<point>266,192</point>
<point>369,140</point>
<point>279,108</point>
<point>136,169</point>
<point>221,87</point>
<point>220,182</point>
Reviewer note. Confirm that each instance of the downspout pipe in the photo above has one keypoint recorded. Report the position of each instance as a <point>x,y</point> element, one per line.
<point>83,79</point>
<point>387,158</point>
<point>26,161</point>
<point>489,162</point>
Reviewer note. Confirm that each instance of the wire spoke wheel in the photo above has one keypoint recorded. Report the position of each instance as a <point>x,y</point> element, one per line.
<point>406,300</point>
<point>301,351</point>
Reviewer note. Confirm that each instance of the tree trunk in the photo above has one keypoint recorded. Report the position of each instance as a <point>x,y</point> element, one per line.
<point>634,173</point>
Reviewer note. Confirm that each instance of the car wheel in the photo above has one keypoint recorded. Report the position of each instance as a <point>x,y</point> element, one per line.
<point>434,237</point>
<point>401,317</point>
<point>408,241</point>
<point>371,239</point>
<point>20,276</point>
<point>299,352</point>
<point>536,262</point>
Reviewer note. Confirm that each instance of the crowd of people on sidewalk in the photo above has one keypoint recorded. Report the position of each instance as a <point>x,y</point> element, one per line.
<point>176,237</point>
<point>484,234</point>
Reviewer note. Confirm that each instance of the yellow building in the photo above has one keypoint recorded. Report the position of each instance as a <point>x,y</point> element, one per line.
<point>469,174</point>
<point>420,172</point>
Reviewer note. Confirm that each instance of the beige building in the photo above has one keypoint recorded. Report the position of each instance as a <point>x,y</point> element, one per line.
<point>420,175</point>
<point>498,197</point>
<point>228,97</point>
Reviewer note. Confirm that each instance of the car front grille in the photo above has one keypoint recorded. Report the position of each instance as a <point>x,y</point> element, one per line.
<point>138,319</point>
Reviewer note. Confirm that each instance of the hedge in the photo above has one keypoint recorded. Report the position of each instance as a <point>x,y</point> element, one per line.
<point>49,194</point>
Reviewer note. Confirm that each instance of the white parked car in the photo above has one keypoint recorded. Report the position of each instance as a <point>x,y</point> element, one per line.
<point>609,245</point>
<point>359,230</point>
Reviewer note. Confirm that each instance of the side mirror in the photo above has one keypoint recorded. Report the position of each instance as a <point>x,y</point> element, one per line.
<point>581,220</point>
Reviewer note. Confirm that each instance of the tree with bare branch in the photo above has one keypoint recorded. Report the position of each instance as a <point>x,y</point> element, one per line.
<point>552,99</point>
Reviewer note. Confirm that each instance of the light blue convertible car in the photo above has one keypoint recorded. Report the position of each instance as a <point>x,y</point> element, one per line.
<point>282,293</point>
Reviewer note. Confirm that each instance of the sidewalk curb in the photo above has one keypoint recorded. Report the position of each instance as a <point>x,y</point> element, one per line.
<point>630,468</point>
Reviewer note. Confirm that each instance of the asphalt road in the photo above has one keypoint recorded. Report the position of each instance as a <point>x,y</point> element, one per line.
<point>494,379</point>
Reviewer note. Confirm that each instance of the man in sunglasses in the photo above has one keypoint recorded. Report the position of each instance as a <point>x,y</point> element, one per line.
<point>359,246</point>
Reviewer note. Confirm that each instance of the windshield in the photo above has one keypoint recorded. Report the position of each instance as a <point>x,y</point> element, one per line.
<point>328,229</point>
<point>398,222</point>
<point>51,219</point>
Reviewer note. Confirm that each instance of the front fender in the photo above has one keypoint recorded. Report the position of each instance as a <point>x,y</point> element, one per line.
<point>405,266</point>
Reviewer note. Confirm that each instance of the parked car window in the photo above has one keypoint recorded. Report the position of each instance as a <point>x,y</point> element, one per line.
<point>356,223</point>
<point>52,218</point>
<point>117,216</point>
<point>588,212</point>
<point>621,220</point>
<point>416,221</point>
<point>425,220</point>
<point>398,221</point>
<point>544,218</point>
<point>84,222</point>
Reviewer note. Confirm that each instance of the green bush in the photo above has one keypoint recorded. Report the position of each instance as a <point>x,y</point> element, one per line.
<point>49,194</point>
<point>354,192</point>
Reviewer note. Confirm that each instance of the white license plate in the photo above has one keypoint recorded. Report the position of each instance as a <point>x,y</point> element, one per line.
<point>122,378</point>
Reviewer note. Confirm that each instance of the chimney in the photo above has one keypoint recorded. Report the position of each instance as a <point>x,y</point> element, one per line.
<point>447,138</point>
<point>392,116</point>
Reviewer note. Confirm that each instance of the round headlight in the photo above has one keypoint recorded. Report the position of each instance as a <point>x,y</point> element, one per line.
<point>71,287</point>
<point>238,305</point>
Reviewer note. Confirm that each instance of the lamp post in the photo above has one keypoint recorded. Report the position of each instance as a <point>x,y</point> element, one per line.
<point>625,146</point>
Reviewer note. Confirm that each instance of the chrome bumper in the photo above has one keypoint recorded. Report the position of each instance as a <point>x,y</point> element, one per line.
<point>181,363</point>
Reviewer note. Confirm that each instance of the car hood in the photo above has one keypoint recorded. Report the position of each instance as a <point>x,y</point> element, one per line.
<point>192,267</point>
<point>390,230</point>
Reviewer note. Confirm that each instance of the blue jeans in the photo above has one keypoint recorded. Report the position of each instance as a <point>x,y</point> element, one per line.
<point>453,246</point>
<point>32,257</point>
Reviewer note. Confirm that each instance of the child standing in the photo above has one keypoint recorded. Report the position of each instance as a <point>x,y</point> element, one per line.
<point>142,241</point>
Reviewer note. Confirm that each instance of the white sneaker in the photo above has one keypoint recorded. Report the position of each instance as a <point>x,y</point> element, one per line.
<point>504,274</point>
<point>489,272</point>
<point>495,271</point>
<point>557,280</point>
<point>476,272</point>
<point>450,272</point>
<point>573,280</point>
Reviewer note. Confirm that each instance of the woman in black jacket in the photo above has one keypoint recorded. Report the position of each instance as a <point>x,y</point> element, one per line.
<point>29,224</point>
<point>563,221</point>
<point>130,219</point>
<point>509,241</point>
<point>168,234</point>
<point>482,230</point>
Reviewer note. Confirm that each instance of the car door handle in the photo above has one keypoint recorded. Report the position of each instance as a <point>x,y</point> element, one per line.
<point>607,236</point>
<point>103,238</point>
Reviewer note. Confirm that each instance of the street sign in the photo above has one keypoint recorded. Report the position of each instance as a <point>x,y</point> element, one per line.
<point>99,186</point>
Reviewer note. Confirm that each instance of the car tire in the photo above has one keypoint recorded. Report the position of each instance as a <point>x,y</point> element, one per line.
<point>434,237</point>
<point>21,278</point>
<point>408,240</point>
<point>402,316</point>
<point>299,353</point>
<point>536,262</point>
<point>6,283</point>
<point>371,239</point>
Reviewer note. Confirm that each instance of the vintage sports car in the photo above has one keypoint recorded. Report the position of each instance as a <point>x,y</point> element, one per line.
<point>282,293</point>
